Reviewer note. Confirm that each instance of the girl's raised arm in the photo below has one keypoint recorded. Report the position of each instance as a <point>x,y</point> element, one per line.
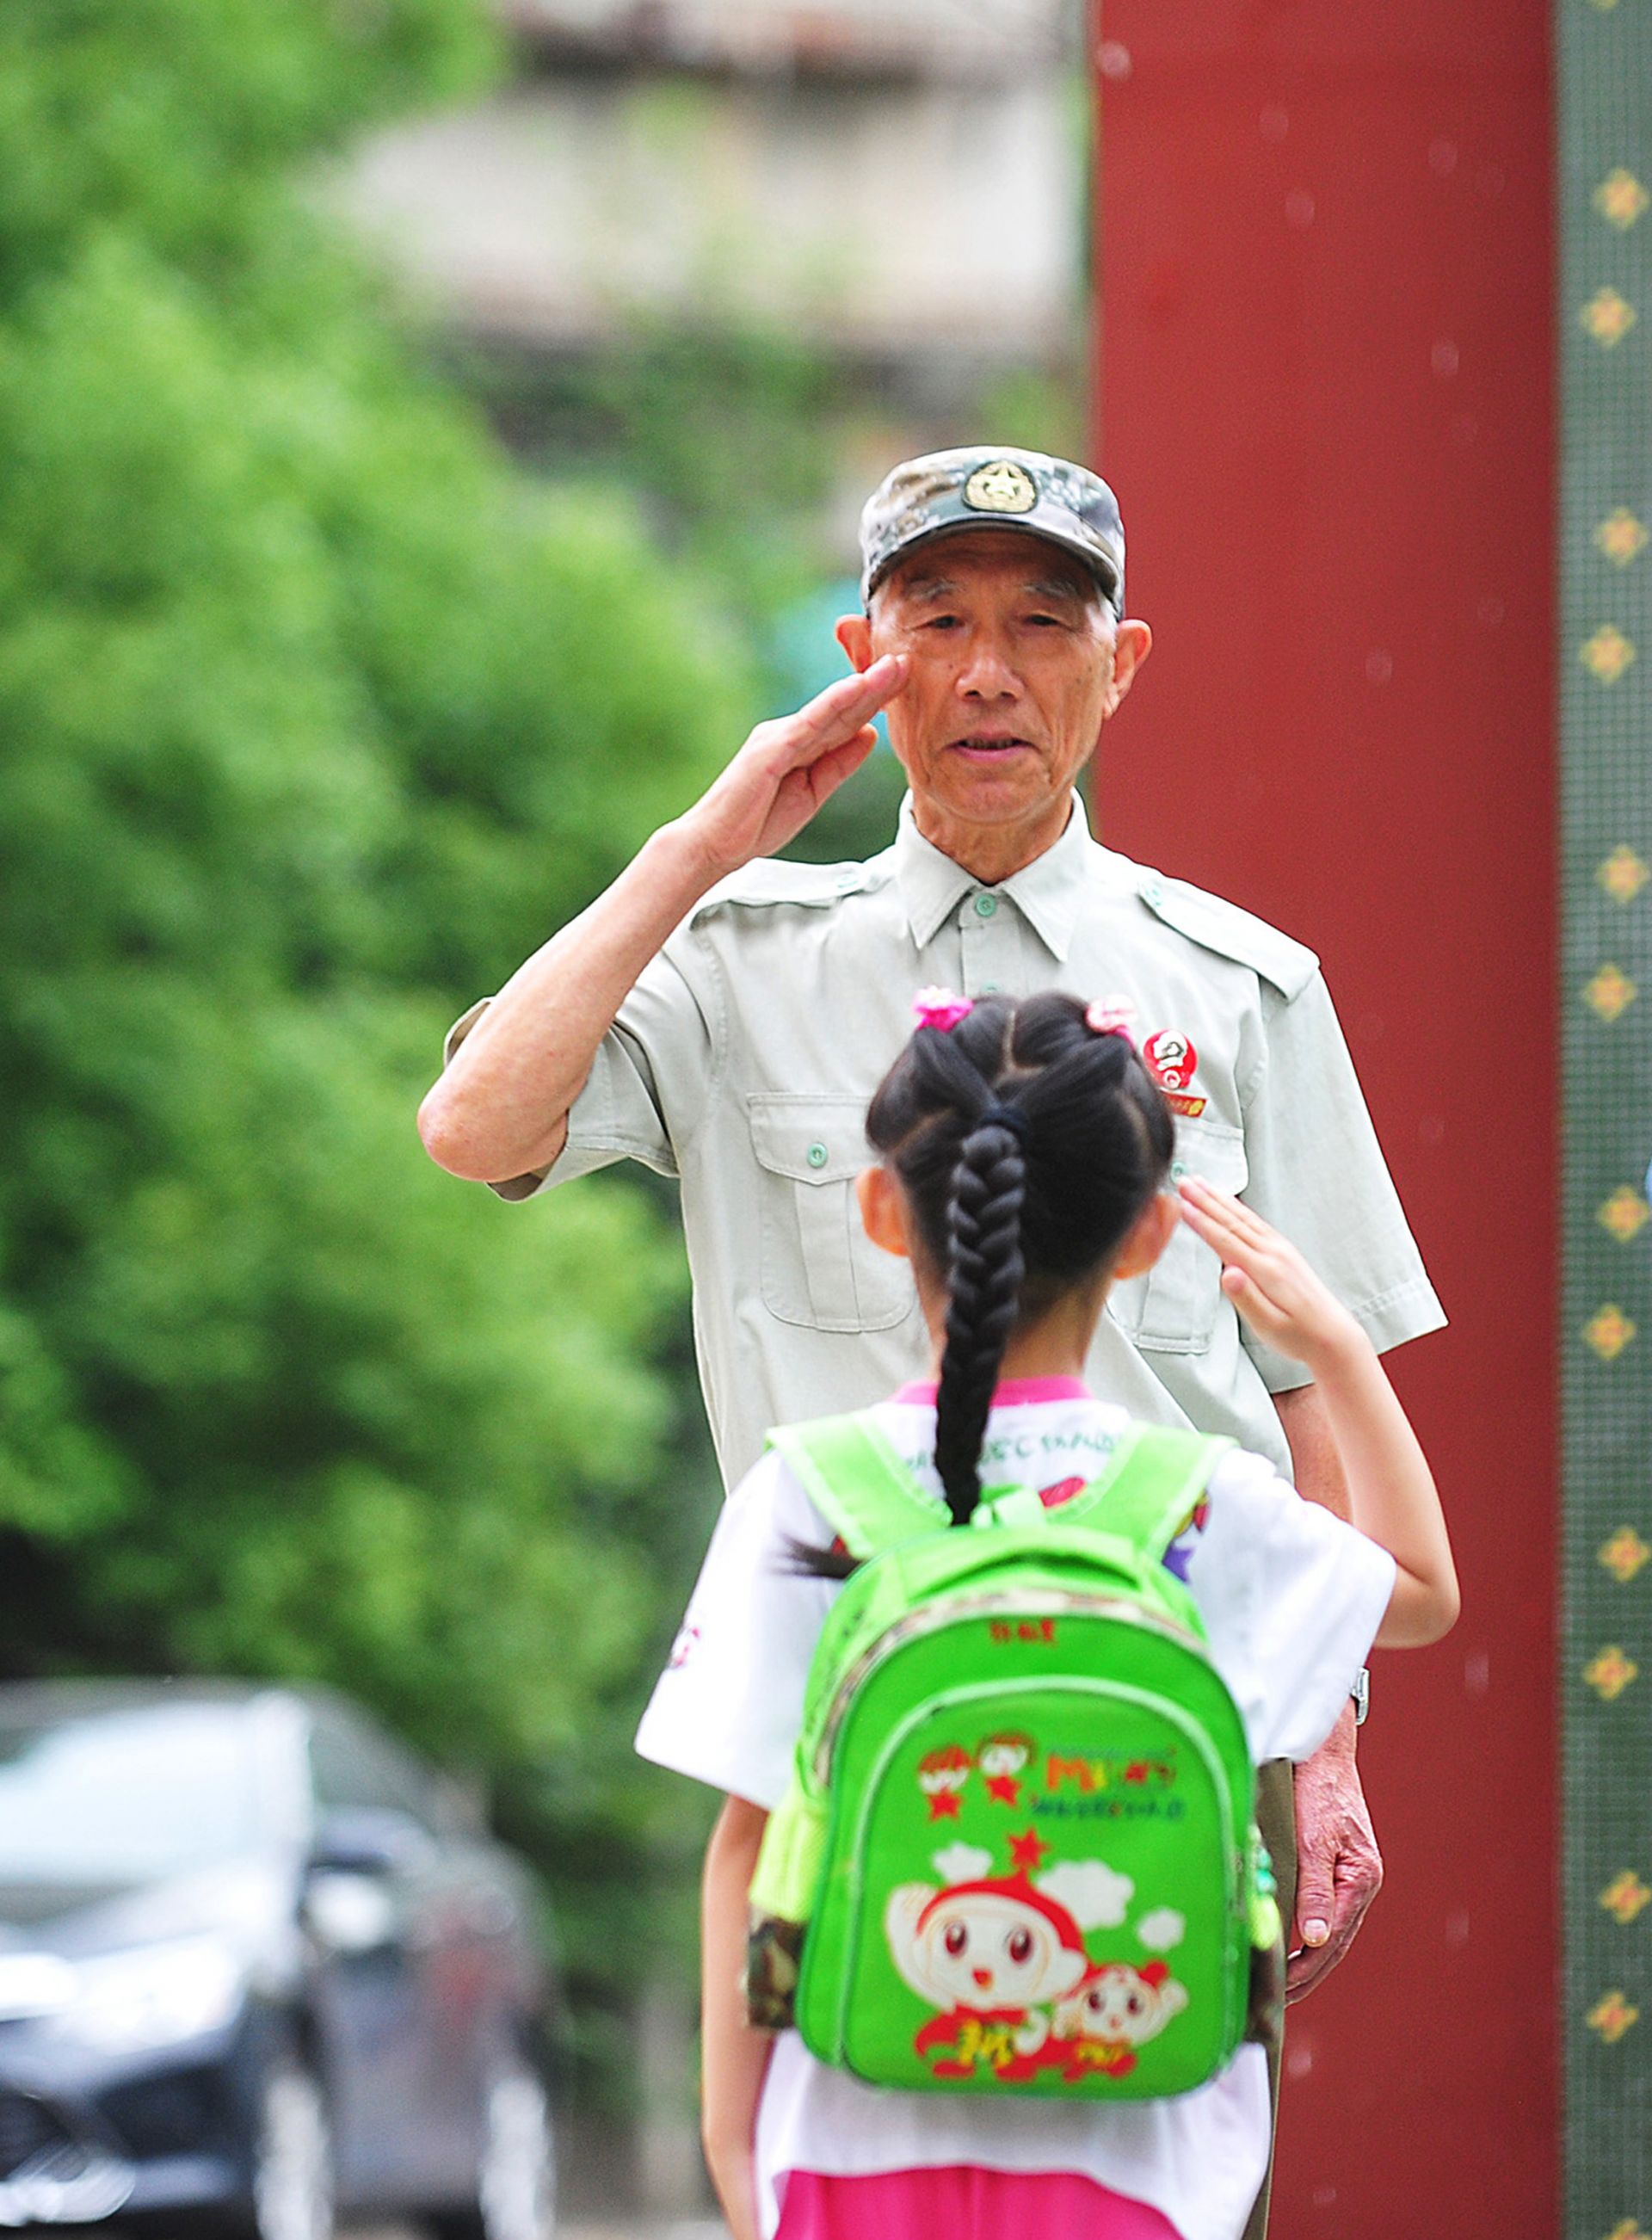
<point>1391,1489</point>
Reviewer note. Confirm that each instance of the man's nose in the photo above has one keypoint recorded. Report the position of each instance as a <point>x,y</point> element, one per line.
<point>988,673</point>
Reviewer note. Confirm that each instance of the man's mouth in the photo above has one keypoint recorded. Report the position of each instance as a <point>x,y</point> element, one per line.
<point>991,747</point>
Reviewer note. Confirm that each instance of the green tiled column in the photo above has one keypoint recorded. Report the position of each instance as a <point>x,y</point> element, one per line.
<point>1605,92</point>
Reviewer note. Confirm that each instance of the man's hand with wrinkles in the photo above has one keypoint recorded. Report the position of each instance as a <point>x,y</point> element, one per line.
<point>788,768</point>
<point>499,1110</point>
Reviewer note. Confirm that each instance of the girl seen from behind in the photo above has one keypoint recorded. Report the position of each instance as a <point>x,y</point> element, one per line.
<point>1023,1153</point>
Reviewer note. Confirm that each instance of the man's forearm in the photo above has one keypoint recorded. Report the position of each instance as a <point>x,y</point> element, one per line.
<point>1316,1462</point>
<point>501,1108</point>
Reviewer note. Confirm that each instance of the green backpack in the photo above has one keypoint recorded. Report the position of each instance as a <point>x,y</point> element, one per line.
<point>1017,1854</point>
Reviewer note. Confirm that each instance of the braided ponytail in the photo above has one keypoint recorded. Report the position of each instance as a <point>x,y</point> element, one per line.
<point>1026,1142</point>
<point>983,1292</point>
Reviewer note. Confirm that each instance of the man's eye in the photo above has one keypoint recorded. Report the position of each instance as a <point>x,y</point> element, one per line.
<point>1045,622</point>
<point>941,623</point>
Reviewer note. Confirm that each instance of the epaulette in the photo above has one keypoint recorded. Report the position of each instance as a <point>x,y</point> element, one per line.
<point>767,880</point>
<point>1231,932</point>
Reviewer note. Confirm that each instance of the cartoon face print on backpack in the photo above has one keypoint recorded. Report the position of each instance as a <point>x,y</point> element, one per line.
<point>1115,2009</point>
<point>941,1775</point>
<point>991,1944</point>
<point>1002,1758</point>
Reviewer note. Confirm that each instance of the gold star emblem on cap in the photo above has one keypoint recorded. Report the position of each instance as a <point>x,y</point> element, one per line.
<point>1613,2016</point>
<point>1609,1330</point>
<point>1608,316</point>
<point>1624,874</point>
<point>1608,654</point>
<point>1609,1672</point>
<point>1610,993</point>
<point>1621,198</point>
<point>1624,1896</point>
<point>1624,1215</point>
<point>1628,2228</point>
<point>1001,486</point>
<point>1621,537</point>
<point>1624,1553</point>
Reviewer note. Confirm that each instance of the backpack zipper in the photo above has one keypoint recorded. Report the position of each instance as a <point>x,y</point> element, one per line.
<point>1007,1601</point>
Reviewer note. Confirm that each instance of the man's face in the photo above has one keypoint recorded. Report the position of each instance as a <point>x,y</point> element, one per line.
<point>1014,664</point>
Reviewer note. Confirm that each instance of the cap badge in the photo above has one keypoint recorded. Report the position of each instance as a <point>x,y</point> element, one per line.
<point>1001,487</point>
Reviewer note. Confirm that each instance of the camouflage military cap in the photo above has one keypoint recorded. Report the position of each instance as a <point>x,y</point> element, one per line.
<point>982,489</point>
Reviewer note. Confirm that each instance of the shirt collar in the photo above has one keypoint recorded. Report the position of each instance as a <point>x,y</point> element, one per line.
<point>1048,892</point>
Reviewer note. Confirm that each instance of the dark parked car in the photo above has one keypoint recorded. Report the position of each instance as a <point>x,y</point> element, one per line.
<point>257,1965</point>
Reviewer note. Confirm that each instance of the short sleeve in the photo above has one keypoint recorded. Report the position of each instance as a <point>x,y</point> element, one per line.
<point>1291,1597</point>
<point>1318,1174</point>
<point>647,1087</point>
<point>727,1708</point>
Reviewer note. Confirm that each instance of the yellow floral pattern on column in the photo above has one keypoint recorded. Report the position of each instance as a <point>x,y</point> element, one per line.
<point>1613,2017</point>
<point>1624,874</point>
<point>1624,1553</point>
<point>1610,992</point>
<point>1620,199</point>
<point>1608,654</point>
<point>1608,316</point>
<point>1624,1215</point>
<point>1608,1331</point>
<point>1624,1896</point>
<point>1610,1672</point>
<point>1621,537</point>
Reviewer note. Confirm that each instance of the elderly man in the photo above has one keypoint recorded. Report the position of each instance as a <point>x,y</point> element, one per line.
<point>724,1018</point>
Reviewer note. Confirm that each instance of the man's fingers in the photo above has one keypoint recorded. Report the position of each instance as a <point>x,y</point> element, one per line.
<point>824,776</point>
<point>1325,1935</point>
<point>833,716</point>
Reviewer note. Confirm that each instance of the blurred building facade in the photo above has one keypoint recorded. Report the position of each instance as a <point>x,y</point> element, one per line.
<point>899,184</point>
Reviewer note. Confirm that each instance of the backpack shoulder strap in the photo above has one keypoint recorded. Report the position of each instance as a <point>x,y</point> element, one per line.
<point>1150,1486</point>
<point>851,1471</point>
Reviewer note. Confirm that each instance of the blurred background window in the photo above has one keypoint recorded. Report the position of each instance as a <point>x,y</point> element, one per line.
<point>125,1797</point>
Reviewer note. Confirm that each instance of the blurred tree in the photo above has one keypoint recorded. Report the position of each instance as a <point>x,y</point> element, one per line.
<point>314,713</point>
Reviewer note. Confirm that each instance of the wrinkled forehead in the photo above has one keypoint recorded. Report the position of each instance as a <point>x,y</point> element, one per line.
<point>1002,559</point>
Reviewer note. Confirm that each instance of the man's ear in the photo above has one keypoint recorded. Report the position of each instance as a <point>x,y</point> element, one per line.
<point>854,634</point>
<point>1149,1233</point>
<point>1132,643</point>
<point>879,1198</point>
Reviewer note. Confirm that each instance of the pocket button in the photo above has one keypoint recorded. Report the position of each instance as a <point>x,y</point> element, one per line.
<point>816,1155</point>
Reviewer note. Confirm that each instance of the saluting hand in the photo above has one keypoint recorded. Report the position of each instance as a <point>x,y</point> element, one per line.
<point>1266,1279</point>
<point>788,767</point>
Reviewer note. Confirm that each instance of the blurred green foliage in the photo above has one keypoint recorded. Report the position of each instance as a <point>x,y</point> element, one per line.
<point>313,711</point>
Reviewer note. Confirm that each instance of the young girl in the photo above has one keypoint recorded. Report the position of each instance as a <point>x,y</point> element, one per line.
<point>1023,1149</point>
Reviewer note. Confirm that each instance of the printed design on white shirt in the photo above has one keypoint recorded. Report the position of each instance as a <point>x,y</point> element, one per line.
<point>1003,1959</point>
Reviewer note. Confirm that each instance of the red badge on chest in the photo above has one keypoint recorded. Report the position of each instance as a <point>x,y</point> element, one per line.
<point>1172,1061</point>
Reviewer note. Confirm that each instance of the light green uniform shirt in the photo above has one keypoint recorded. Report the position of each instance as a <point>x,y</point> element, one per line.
<point>743,1060</point>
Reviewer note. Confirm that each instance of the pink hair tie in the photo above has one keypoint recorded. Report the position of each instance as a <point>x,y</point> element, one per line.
<point>940,1008</point>
<point>1114,1015</point>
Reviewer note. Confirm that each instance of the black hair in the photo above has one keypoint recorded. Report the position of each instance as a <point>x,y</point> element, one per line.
<point>1026,1145</point>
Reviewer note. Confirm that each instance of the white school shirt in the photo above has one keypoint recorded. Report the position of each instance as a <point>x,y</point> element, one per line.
<point>743,1060</point>
<point>1291,1599</point>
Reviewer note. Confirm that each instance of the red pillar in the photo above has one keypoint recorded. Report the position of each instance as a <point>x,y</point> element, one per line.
<point>1324,397</point>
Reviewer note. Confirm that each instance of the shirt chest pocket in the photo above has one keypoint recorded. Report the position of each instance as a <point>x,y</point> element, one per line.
<point>819,1267</point>
<point>1172,1309</point>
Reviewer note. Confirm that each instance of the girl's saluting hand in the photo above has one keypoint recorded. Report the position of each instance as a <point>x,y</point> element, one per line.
<point>1391,1491</point>
<point>1264,1275</point>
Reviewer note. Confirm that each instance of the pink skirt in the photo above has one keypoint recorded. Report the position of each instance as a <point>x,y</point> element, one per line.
<point>964,2203</point>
